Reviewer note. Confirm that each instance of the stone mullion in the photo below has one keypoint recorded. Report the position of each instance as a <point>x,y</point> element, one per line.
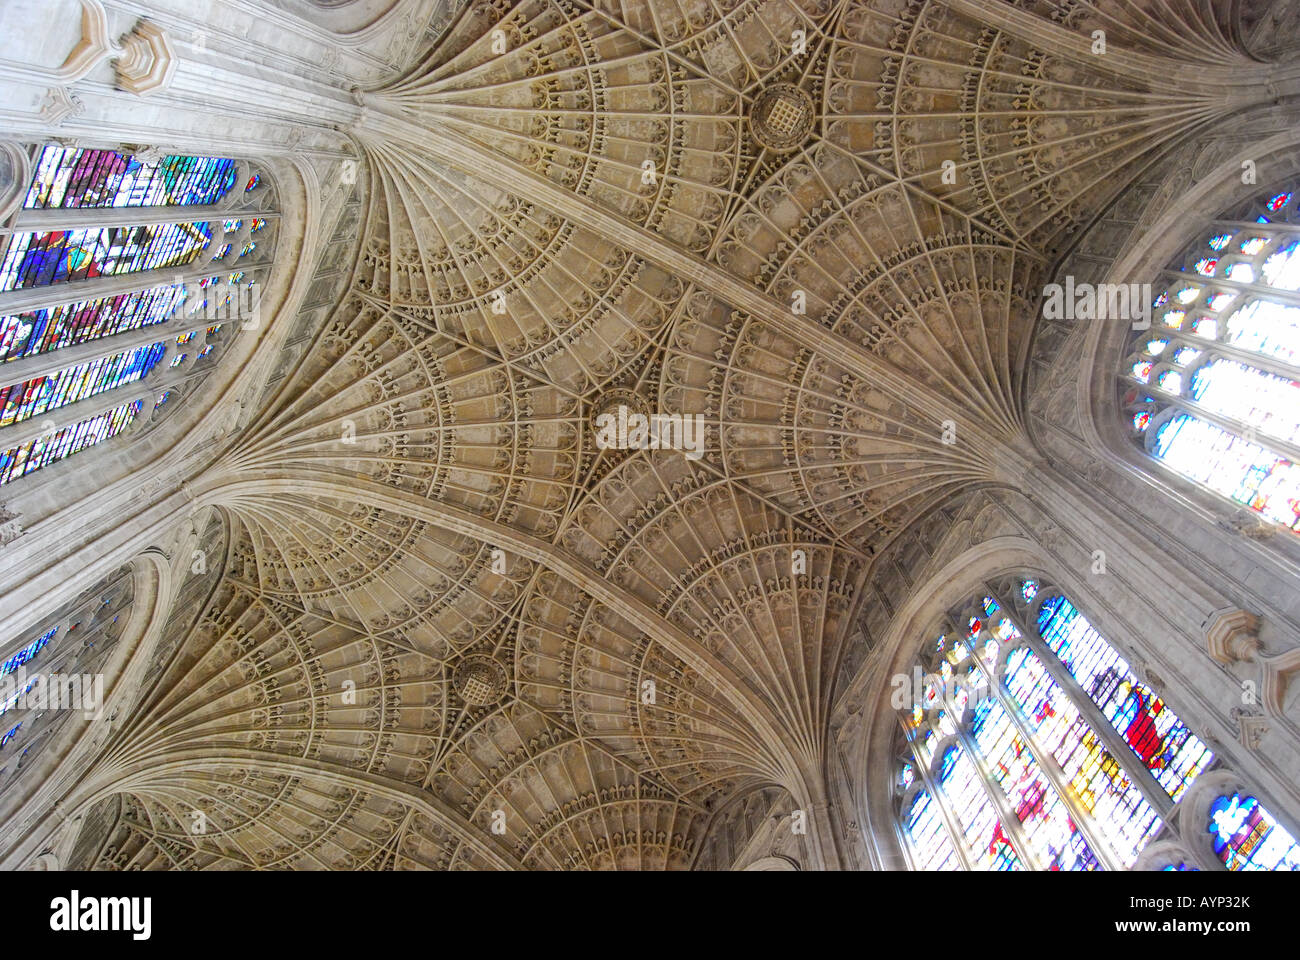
<point>1233,226</point>
<point>1145,781</point>
<point>950,823</point>
<point>82,218</point>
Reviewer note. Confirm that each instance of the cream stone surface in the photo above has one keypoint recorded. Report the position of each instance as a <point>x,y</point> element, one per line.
<point>429,602</point>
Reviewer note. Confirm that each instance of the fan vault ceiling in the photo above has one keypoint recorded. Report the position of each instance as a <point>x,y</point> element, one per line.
<point>831,256</point>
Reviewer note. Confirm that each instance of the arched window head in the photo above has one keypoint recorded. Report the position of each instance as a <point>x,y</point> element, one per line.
<point>1212,388</point>
<point>122,273</point>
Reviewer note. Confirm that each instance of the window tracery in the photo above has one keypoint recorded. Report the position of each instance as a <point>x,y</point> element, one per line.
<point>1030,743</point>
<point>107,246</point>
<point>1211,389</point>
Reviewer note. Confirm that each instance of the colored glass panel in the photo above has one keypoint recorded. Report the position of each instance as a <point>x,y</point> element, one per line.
<point>1266,327</point>
<point>37,260</point>
<point>1096,778</point>
<point>30,399</point>
<point>1161,741</point>
<point>68,178</point>
<point>25,458</point>
<point>66,325</point>
<point>1231,465</point>
<point>27,653</point>
<point>1252,396</point>
<point>934,851</point>
<point>1247,838</point>
<point>1052,837</point>
<point>989,846</point>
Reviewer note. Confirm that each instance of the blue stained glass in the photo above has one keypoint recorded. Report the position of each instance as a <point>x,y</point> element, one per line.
<point>71,178</point>
<point>925,828</point>
<point>1246,837</point>
<point>37,260</point>
<point>28,652</point>
<point>26,400</point>
<point>23,459</point>
<point>12,700</point>
<point>66,325</point>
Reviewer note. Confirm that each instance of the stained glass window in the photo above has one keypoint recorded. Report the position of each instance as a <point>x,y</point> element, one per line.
<point>60,256</point>
<point>1227,363</point>
<point>34,397</point>
<point>66,325</point>
<point>68,178</point>
<point>27,653</point>
<point>1053,838</point>
<point>34,454</point>
<point>1247,838</point>
<point>934,850</point>
<point>1041,749</point>
<point>42,254</point>
<point>1096,778</point>
<point>1153,732</point>
<point>990,847</point>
